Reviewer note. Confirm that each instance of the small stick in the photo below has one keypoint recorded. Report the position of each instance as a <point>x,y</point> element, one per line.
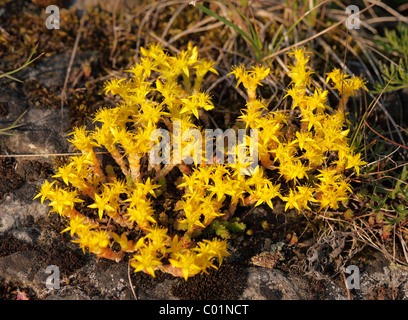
<point>115,33</point>
<point>130,282</point>
<point>345,282</point>
<point>71,62</point>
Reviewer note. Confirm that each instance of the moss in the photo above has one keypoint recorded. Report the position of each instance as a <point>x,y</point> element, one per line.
<point>226,283</point>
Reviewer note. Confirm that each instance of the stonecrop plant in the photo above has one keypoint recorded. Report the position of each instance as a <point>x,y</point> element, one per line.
<point>117,201</point>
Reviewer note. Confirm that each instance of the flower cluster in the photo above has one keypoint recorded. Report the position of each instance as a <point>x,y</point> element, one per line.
<point>309,152</point>
<point>109,205</point>
<point>112,195</point>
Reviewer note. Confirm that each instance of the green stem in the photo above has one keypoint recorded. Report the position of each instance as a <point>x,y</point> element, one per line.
<point>28,62</point>
<point>235,27</point>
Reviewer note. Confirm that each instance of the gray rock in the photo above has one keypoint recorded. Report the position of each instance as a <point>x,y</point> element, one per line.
<point>333,291</point>
<point>29,234</point>
<point>19,210</point>
<point>14,104</point>
<point>391,276</point>
<point>42,131</point>
<point>20,267</point>
<point>111,281</point>
<point>274,284</point>
<point>47,237</point>
<point>42,134</point>
<point>51,71</point>
<point>162,291</point>
<point>79,295</point>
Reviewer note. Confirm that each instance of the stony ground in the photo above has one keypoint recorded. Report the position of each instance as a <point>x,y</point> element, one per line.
<point>265,266</point>
<point>260,267</point>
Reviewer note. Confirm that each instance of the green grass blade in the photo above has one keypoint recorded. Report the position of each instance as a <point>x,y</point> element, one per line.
<point>14,125</point>
<point>27,63</point>
<point>253,31</point>
<point>232,25</point>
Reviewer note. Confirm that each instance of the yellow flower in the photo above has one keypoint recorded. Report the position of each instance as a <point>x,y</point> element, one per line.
<point>252,113</point>
<point>82,140</point>
<point>63,201</point>
<point>217,248</point>
<point>192,215</point>
<point>354,161</point>
<point>176,245</point>
<point>300,72</point>
<point>125,244</point>
<point>259,73</point>
<point>344,84</point>
<point>292,170</point>
<point>102,204</point>
<point>305,196</point>
<point>328,176</point>
<point>220,187</point>
<point>293,200</point>
<point>158,237</point>
<point>137,71</point>
<point>297,156</point>
<point>202,68</point>
<point>250,79</point>
<point>75,225</point>
<point>113,86</point>
<point>98,240</point>
<point>151,114</point>
<point>46,190</point>
<point>156,52</point>
<point>67,173</point>
<point>317,101</point>
<point>193,102</point>
<point>302,139</point>
<point>187,262</point>
<point>145,260</point>
<point>141,213</point>
<point>147,187</point>
<point>182,62</point>
<point>210,209</point>
<point>266,193</point>
<point>148,65</point>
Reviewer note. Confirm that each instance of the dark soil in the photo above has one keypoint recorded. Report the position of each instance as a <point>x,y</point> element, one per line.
<point>226,283</point>
<point>14,173</point>
<point>9,290</point>
<point>9,245</point>
<point>386,293</point>
<point>10,180</point>
<point>67,260</point>
<point>14,291</point>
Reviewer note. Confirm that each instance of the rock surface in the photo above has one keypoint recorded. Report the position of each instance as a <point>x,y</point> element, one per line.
<point>267,284</point>
<point>19,210</point>
<point>83,4</point>
<point>30,240</point>
<point>30,243</point>
<point>42,131</point>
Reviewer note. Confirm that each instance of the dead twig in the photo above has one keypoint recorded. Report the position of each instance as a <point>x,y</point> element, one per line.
<point>297,44</point>
<point>71,61</point>
<point>345,283</point>
<point>115,32</point>
<point>130,282</point>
